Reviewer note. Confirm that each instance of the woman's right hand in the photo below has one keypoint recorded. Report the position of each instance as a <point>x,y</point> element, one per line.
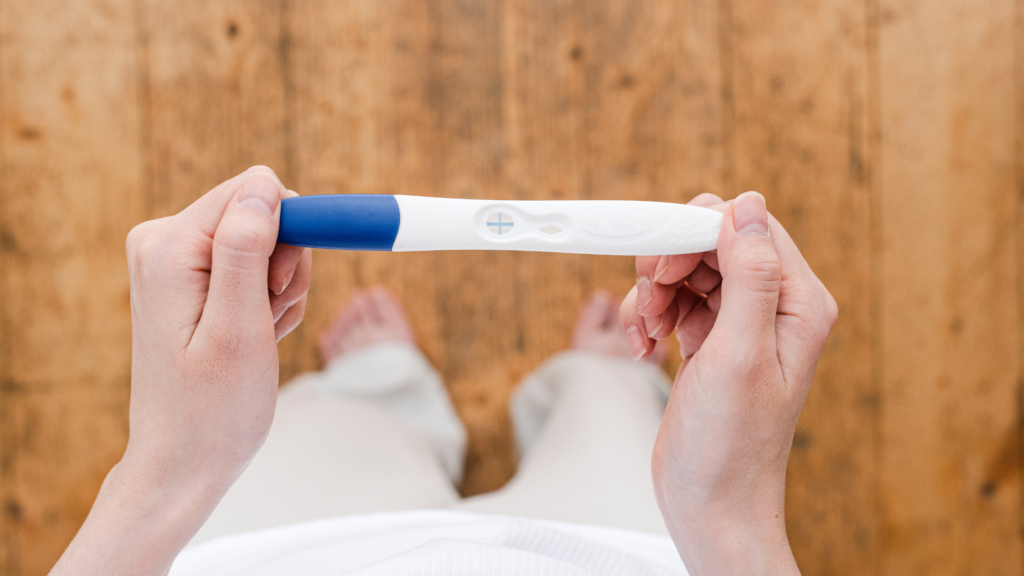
<point>752,320</point>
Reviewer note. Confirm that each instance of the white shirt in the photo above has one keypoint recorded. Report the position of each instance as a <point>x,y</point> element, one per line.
<point>431,542</point>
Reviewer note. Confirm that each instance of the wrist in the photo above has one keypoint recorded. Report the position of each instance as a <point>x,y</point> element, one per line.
<point>139,522</point>
<point>718,541</point>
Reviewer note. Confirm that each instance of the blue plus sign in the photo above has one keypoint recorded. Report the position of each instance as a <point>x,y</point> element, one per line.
<point>498,227</point>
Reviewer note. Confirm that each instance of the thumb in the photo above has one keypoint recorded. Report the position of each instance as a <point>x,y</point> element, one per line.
<point>238,303</point>
<point>751,274</point>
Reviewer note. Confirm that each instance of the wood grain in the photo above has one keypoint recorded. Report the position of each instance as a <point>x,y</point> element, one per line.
<point>69,193</point>
<point>949,461</point>
<point>800,85</point>
<point>214,96</point>
<point>885,134</point>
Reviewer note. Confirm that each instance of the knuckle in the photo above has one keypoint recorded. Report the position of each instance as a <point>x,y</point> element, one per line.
<point>241,246</point>
<point>706,198</point>
<point>763,274</point>
<point>136,236</point>
<point>831,314</point>
<point>260,168</point>
<point>141,247</point>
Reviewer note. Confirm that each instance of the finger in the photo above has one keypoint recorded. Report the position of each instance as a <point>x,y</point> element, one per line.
<point>205,214</point>
<point>662,291</point>
<point>711,259</point>
<point>645,268</point>
<point>751,276</point>
<point>283,261</point>
<point>693,325</point>
<point>806,311</point>
<point>237,309</point>
<point>282,266</point>
<point>801,293</point>
<point>694,329</point>
<point>656,276</point>
<point>297,288</point>
<point>662,296</point>
<point>703,279</point>
<point>705,200</point>
<point>672,269</point>
<point>291,319</point>
<point>633,323</point>
<point>714,300</point>
<point>686,300</point>
<point>660,326</point>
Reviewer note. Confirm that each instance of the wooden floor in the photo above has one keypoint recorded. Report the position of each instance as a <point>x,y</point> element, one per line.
<point>886,135</point>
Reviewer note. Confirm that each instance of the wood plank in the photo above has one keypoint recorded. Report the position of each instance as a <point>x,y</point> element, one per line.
<point>216,95</point>
<point>587,119</point>
<point>1018,76</point>
<point>65,443</point>
<point>404,97</point>
<point>950,464</point>
<point>69,155</point>
<point>800,86</point>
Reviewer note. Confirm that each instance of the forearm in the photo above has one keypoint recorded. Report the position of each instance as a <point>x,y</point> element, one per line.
<point>137,526</point>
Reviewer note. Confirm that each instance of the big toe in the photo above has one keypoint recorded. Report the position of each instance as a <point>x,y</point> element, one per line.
<point>392,315</point>
<point>594,312</point>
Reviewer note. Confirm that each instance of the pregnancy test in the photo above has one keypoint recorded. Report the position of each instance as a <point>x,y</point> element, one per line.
<point>418,223</point>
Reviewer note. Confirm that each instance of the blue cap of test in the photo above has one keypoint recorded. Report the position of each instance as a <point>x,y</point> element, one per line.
<point>340,221</point>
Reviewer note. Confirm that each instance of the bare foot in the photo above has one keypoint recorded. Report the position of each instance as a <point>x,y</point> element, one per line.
<point>372,316</point>
<point>598,329</point>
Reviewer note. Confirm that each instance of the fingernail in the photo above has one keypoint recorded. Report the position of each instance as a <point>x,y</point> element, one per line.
<point>637,344</point>
<point>286,282</point>
<point>653,325</point>
<point>750,215</point>
<point>260,193</point>
<point>643,293</point>
<point>662,267</point>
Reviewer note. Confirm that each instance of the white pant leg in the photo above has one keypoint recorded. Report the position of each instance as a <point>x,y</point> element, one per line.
<point>374,431</point>
<point>586,426</point>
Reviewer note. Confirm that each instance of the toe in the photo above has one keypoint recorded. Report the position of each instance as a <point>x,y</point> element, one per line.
<point>393,317</point>
<point>590,319</point>
<point>333,338</point>
<point>353,323</point>
<point>611,315</point>
<point>593,313</point>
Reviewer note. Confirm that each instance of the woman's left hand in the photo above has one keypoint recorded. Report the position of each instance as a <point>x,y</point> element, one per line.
<point>211,294</point>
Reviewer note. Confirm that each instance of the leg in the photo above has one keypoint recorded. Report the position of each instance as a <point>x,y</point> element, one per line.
<point>374,431</point>
<point>586,423</point>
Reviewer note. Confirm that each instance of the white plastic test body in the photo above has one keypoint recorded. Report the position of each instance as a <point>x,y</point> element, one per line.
<point>608,227</point>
